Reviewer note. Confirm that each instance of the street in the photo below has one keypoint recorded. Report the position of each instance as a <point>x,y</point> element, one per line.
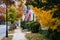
<point>2,31</point>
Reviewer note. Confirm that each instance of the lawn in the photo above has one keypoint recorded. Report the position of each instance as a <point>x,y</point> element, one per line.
<point>35,36</point>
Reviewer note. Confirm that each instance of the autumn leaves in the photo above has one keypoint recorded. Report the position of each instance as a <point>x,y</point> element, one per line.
<point>45,17</point>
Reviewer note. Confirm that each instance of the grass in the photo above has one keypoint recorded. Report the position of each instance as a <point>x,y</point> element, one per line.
<point>35,36</point>
<point>9,38</point>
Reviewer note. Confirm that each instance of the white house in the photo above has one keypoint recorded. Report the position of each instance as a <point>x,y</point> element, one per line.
<point>31,15</point>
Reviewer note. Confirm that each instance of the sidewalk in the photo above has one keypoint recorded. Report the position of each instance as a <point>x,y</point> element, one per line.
<point>18,35</point>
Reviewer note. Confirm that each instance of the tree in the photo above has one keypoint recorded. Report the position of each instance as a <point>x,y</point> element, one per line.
<point>12,16</point>
<point>44,17</point>
<point>48,15</point>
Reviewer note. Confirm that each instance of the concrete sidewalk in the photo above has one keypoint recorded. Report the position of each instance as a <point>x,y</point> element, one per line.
<point>18,35</point>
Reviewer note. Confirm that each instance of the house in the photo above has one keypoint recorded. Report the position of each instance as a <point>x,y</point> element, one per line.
<point>2,11</point>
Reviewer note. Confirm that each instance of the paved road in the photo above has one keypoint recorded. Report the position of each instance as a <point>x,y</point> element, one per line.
<point>2,31</point>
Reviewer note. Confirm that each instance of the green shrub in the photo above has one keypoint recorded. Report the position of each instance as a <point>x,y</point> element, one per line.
<point>23,24</point>
<point>35,27</point>
<point>53,35</point>
<point>26,24</point>
<point>30,25</point>
<point>43,32</point>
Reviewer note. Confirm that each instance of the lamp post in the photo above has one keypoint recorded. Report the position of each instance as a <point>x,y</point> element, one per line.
<point>6,20</point>
<point>6,2</point>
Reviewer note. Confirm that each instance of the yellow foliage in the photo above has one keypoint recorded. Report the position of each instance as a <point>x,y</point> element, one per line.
<point>45,17</point>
